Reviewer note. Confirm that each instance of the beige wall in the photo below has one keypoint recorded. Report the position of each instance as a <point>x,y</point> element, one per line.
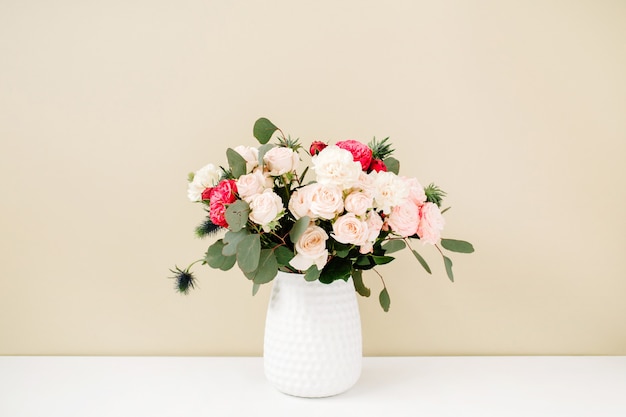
<point>516,109</point>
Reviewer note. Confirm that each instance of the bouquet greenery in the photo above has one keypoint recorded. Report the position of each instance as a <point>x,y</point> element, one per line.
<point>348,219</point>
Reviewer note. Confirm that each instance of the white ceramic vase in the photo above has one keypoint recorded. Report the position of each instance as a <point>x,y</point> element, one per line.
<point>313,345</point>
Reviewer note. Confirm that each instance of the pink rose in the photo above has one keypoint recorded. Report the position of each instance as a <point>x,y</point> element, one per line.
<point>280,160</point>
<point>360,152</point>
<point>311,249</point>
<point>206,194</point>
<point>317,147</point>
<point>377,165</point>
<point>404,219</point>
<point>300,202</point>
<point>431,223</point>
<point>326,201</point>
<point>416,192</point>
<point>358,203</point>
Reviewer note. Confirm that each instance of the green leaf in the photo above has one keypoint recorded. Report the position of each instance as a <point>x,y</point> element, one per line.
<point>382,260</point>
<point>267,269</point>
<point>448,262</point>
<point>392,164</point>
<point>232,239</point>
<point>421,260</point>
<point>237,215</point>
<point>336,268</point>
<point>263,150</point>
<point>359,286</point>
<point>342,250</point>
<point>384,299</point>
<point>229,262</point>
<point>460,246</point>
<point>312,273</point>
<point>263,130</point>
<point>236,162</point>
<point>255,288</point>
<point>214,256</point>
<point>249,252</point>
<point>298,228</point>
<point>283,255</point>
<point>394,246</point>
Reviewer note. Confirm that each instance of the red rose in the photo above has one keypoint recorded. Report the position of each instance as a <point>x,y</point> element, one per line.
<point>317,147</point>
<point>378,166</point>
<point>360,153</point>
<point>206,194</point>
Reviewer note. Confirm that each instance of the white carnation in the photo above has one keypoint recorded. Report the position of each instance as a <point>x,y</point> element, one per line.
<point>206,177</point>
<point>389,191</point>
<point>336,166</point>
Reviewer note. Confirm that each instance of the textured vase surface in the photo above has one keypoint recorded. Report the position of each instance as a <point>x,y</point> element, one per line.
<point>313,345</point>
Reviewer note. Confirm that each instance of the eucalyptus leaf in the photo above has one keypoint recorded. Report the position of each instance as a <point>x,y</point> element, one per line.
<point>298,228</point>
<point>229,262</point>
<point>460,246</point>
<point>249,252</point>
<point>232,239</point>
<point>382,260</point>
<point>312,273</point>
<point>267,268</point>
<point>263,150</point>
<point>448,262</point>
<point>236,162</point>
<point>359,286</point>
<point>392,164</point>
<point>421,260</point>
<point>255,288</point>
<point>283,255</point>
<point>263,130</point>
<point>214,256</point>
<point>385,301</point>
<point>237,215</point>
<point>394,246</point>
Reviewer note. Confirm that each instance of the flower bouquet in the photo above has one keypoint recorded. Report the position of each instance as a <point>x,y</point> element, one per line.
<point>348,215</point>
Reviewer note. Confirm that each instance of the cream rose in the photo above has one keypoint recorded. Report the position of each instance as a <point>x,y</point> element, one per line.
<point>250,154</point>
<point>374,226</point>
<point>326,201</point>
<point>404,219</point>
<point>266,208</point>
<point>300,202</point>
<point>311,249</point>
<point>280,160</point>
<point>206,177</point>
<point>335,166</point>
<point>431,223</point>
<point>358,203</point>
<point>390,190</point>
<point>250,185</point>
<point>350,229</point>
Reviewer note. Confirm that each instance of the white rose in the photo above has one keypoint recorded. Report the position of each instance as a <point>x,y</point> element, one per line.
<point>311,249</point>
<point>265,208</point>
<point>390,190</point>
<point>250,154</point>
<point>336,166</point>
<point>358,203</point>
<point>326,201</point>
<point>300,202</point>
<point>280,160</point>
<point>206,177</point>
<point>250,185</point>
<point>350,229</point>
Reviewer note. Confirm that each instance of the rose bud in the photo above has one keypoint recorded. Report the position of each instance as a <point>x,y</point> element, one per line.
<point>378,166</point>
<point>317,147</point>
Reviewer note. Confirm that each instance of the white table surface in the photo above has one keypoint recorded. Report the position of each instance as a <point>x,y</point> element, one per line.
<point>230,386</point>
